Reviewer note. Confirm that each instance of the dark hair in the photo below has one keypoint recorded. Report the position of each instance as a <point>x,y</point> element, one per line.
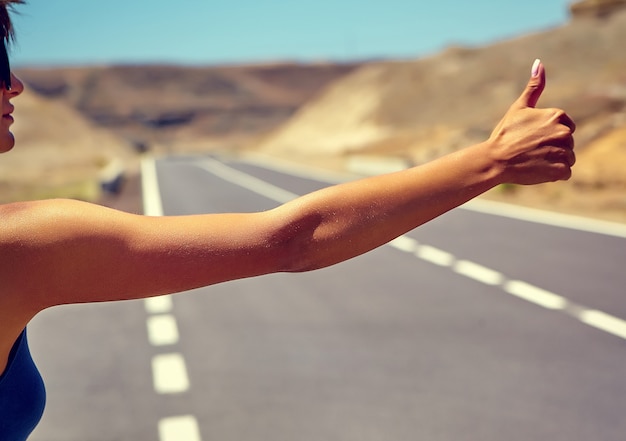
<point>7,34</point>
<point>6,26</point>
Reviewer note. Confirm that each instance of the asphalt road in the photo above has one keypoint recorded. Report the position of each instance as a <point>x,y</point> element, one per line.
<point>472,327</point>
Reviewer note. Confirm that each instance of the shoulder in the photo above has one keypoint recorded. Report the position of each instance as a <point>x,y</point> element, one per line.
<point>17,224</point>
<point>19,218</point>
<point>35,223</point>
<point>41,242</point>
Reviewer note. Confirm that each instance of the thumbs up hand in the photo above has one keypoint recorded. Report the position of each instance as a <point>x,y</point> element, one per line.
<point>533,145</point>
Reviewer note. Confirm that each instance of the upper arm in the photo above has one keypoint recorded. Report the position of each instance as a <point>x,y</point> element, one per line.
<point>63,251</point>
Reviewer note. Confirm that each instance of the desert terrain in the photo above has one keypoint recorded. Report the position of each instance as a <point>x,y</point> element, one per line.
<point>74,122</point>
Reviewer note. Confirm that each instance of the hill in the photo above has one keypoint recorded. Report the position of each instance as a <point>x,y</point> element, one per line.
<point>420,109</point>
<point>58,152</point>
<point>73,122</point>
<point>332,115</point>
<point>162,104</point>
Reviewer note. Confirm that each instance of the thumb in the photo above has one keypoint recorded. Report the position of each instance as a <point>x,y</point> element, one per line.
<point>535,86</point>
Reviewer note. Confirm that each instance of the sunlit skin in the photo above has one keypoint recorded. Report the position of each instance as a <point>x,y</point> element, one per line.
<point>64,251</point>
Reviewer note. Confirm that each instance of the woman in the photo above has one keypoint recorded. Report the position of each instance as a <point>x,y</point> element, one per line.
<point>55,252</point>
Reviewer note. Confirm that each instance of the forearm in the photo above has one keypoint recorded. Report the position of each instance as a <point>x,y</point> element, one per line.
<point>528,146</point>
<point>56,252</point>
<point>350,219</point>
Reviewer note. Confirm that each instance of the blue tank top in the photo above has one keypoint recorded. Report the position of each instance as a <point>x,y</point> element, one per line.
<point>22,394</point>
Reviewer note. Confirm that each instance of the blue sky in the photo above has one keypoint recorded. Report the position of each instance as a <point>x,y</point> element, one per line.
<point>77,32</point>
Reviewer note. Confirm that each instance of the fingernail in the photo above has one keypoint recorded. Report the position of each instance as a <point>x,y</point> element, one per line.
<point>535,69</point>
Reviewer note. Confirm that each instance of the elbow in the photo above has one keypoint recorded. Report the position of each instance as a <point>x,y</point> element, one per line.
<point>294,244</point>
<point>302,261</point>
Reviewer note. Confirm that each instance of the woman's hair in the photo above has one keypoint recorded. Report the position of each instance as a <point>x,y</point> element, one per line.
<point>6,27</point>
<point>6,36</point>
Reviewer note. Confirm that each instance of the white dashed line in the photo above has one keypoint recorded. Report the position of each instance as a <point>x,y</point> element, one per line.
<point>526,291</point>
<point>523,290</point>
<point>535,295</point>
<point>169,374</point>
<point>162,330</point>
<point>404,243</point>
<point>469,269</point>
<point>158,305</point>
<point>169,371</point>
<point>604,322</point>
<point>478,272</point>
<point>434,255</point>
<point>181,428</point>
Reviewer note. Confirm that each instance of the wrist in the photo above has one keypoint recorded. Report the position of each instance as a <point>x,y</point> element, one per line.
<point>489,170</point>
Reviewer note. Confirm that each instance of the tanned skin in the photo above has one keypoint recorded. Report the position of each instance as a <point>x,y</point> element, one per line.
<point>63,251</point>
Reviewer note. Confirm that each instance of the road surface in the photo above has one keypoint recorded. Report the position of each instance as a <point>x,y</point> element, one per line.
<point>476,326</point>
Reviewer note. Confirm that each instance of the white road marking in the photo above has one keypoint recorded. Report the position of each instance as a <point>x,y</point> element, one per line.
<point>298,169</point>
<point>434,255</point>
<point>473,270</point>
<point>535,295</point>
<point>152,205</point>
<point>162,330</point>
<point>404,243</point>
<point>604,322</point>
<point>169,374</point>
<point>546,217</point>
<point>158,305</point>
<point>180,428</point>
<point>478,204</point>
<point>248,182</point>
<point>169,371</point>
<point>478,272</point>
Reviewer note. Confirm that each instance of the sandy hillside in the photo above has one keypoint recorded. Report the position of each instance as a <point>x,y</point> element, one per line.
<point>58,152</point>
<point>168,104</point>
<point>418,110</point>
<point>76,119</point>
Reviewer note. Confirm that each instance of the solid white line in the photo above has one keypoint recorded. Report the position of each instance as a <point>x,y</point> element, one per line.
<point>535,295</point>
<point>180,428</point>
<point>475,271</point>
<point>546,217</point>
<point>248,182</point>
<point>162,330</point>
<point>300,170</point>
<point>404,243</point>
<point>158,305</point>
<point>478,272</point>
<point>152,205</point>
<point>604,322</point>
<point>169,374</point>
<point>481,205</point>
<point>434,255</point>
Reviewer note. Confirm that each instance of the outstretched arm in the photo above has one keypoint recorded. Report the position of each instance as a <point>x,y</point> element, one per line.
<point>57,252</point>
